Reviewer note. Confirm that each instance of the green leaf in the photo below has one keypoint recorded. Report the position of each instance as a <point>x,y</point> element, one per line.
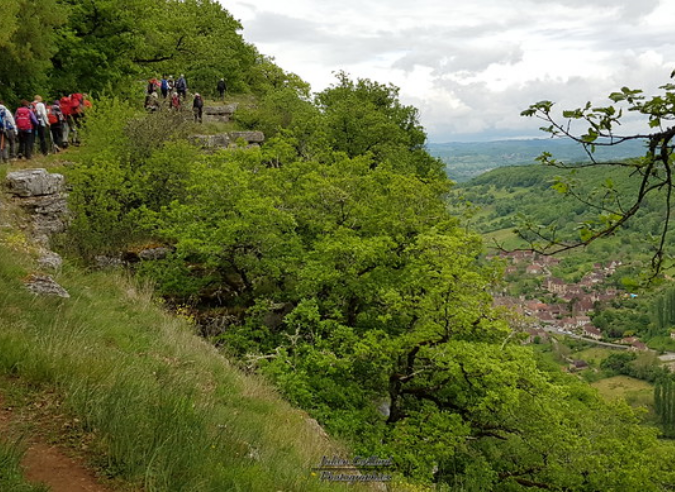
<point>617,96</point>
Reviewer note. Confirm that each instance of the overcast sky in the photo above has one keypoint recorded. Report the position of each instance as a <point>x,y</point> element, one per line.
<point>471,67</point>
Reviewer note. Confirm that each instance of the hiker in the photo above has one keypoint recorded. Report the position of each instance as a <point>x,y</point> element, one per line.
<point>152,102</point>
<point>26,123</point>
<point>8,147</point>
<point>43,123</point>
<point>221,89</point>
<point>153,85</point>
<point>56,118</point>
<point>175,101</point>
<point>164,87</point>
<point>7,134</point>
<point>65,104</point>
<point>197,107</point>
<point>181,86</point>
<point>76,115</point>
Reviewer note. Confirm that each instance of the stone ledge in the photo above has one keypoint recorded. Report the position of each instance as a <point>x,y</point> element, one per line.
<point>34,182</point>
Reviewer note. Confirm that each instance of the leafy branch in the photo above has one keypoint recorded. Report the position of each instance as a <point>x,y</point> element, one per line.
<point>653,171</point>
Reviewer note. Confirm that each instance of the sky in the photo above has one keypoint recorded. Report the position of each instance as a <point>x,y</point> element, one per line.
<point>471,67</point>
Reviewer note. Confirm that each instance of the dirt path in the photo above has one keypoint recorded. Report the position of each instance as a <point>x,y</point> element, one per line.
<point>50,465</point>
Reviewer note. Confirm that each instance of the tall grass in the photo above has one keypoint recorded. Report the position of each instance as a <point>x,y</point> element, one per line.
<point>167,411</point>
<point>11,479</point>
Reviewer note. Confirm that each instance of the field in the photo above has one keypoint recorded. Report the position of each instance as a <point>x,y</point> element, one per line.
<point>594,355</point>
<point>637,393</point>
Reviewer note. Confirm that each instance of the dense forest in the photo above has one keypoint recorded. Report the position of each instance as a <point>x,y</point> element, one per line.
<point>332,259</point>
<point>56,47</point>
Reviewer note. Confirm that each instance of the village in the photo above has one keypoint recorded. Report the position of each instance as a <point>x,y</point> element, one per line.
<point>569,305</point>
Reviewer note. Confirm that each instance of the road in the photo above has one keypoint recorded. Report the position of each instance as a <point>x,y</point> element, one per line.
<point>665,357</point>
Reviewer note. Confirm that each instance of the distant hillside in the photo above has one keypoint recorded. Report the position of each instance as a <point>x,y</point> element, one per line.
<point>505,197</point>
<point>466,160</point>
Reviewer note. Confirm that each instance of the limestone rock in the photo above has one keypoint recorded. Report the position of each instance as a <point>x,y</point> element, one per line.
<point>220,110</point>
<point>34,182</point>
<point>105,262</point>
<point>219,114</point>
<point>250,137</point>
<point>49,215</point>
<point>154,253</point>
<point>44,285</point>
<point>50,260</point>
<point>217,141</point>
<point>315,426</point>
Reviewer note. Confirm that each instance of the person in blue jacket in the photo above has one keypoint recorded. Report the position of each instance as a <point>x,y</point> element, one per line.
<point>181,86</point>
<point>7,134</point>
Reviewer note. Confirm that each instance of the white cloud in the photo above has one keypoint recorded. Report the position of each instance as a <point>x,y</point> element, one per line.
<point>471,68</point>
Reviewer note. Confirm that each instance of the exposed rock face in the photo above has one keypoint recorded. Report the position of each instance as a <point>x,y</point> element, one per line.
<point>220,114</point>
<point>49,213</point>
<point>44,285</point>
<point>218,141</point>
<point>34,182</point>
<point>50,260</point>
<point>226,140</point>
<point>40,193</point>
<point>315,426</point>
<point>250,137</point>
<point>154,253</point>
<point>106,262</point>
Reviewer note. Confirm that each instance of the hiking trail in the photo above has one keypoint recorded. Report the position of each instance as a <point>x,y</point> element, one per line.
<point>49,464</point>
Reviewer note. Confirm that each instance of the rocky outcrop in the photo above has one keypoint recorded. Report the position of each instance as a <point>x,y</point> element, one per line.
<point>44,285</point>
<point>227,140</point>
<point>158,253</point>
<point>249,137</point>
<point>103,262</point>
<point>218,114</point>
<point>49,260</point>
<point>211,142</point>
<point>34,182</point>
<point>41,194</point>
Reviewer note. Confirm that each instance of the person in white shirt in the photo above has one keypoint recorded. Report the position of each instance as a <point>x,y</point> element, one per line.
<point>41,114</point>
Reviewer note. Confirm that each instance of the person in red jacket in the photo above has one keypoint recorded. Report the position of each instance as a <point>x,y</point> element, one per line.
<point>26,123</point>
<point>76,108</point>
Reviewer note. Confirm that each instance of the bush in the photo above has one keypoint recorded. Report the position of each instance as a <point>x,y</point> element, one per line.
<point>128,168</point>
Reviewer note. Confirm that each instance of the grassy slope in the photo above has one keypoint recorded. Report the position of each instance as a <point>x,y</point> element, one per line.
<point>631,389</point>
<point>165,410</point>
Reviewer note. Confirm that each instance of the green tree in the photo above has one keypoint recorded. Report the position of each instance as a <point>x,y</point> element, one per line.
<point>133,164</point>
<point>343,276</point>
<point>663,310</point>
<point>109,43</point>
<point>27,43</point>
<point>365,117</point>
<point>664,404</point>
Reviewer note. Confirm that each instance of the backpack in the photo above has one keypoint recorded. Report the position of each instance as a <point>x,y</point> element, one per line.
<point>65,105</point>
<point>23,121</point>
<point>165,85</point>
<point>2,119</point>
<point>76,103</point>
<point>54,115</point>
